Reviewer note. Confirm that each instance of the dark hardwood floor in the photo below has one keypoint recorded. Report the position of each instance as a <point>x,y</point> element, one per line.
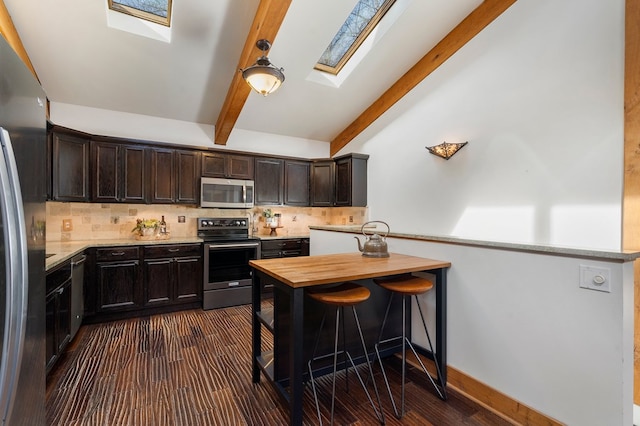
<point>194,368</point>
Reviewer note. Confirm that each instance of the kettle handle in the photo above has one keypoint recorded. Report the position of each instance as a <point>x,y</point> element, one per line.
<point>374,221</point>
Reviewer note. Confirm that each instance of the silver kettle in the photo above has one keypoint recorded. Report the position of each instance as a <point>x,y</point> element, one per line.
<point>375,245</point>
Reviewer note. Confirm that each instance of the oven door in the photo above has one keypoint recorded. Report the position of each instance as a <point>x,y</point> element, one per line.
<point>227,274</point>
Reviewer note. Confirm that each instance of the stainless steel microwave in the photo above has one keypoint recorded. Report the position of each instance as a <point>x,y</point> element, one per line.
<point>226,193</point>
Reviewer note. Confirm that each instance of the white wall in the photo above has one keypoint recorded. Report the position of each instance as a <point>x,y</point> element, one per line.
<point>135,126</point>
<point>519,323</point>
<point>539,96</point>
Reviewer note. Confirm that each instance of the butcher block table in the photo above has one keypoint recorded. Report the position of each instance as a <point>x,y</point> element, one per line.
<point>294,321</point>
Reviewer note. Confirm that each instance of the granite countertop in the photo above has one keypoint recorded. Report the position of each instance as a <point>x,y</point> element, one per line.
<point>622,255</point>
<point>59,252</point>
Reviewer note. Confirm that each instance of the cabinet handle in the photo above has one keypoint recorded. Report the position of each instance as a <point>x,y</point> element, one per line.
<point>117,253</point>
<point>61,290</point>
<point>173,250</point>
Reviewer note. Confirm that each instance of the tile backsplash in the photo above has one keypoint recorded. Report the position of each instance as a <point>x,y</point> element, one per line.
<point>90,221</point>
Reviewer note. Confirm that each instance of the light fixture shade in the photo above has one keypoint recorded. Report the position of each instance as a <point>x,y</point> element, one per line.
<point>264,79</point>
<point>262,76</point>
<point>446,150</point>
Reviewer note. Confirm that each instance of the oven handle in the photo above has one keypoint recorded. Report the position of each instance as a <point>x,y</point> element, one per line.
<point>231,245</point>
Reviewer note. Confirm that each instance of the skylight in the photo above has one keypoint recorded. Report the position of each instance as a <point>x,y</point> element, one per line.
<point>361,21</point>
<point>157,11</point>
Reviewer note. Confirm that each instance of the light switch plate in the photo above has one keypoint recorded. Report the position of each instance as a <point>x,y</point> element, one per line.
<point>595,278</point>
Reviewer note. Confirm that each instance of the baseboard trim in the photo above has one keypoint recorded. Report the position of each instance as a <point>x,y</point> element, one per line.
<point>492,399</point>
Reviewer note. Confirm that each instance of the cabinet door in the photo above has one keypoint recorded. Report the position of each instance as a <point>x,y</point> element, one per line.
<point>51,343</point>
<point>119,285</point>
<point>187,176</point>
<point>70,168</point>
<point>105,172</point>
<point>296,183</point>
<point>322,184</point>
<point>158,278</point>
<point>269,181</point>
<point>240,167</point>
<point>162,176</point>
<point>351,181</point>
<point>63,316</point>
<point>133,174</point>
<point>213,164</point>
<point>189,279</point>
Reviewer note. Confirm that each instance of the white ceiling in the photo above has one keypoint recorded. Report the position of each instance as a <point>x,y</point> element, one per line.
<point>80,60</point>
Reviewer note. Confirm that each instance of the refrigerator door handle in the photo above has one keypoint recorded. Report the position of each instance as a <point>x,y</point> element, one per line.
<point>15,240</point>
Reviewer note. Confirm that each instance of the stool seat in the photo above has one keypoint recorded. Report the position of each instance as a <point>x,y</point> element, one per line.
<point>346,294</point>
<point>405,284</point>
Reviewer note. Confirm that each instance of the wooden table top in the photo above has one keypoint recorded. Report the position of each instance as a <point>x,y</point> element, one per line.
<point>305,271</point>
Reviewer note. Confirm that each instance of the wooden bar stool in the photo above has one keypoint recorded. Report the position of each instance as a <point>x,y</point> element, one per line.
<point>407,286</point>
<point>348,294</point>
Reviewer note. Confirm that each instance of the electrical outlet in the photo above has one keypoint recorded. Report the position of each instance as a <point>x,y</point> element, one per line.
<point>595,278</point>
<point>67,225</point>
<point>181,219</point>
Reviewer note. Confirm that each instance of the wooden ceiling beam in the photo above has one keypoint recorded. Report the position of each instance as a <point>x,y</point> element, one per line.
<point>475,22</point>
<point>266,24</point>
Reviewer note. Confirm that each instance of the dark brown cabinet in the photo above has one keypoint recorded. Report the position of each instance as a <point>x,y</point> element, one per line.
<point>187,176</point>
<point>322,183</point>
<point>231,166</point>
<point>269,181</point>
<point>351,180</point>
<point>58,313</point>
<point>284,247</point>
<point>163,176</point>
<point>119,173</point>
<point>296,183</point>
<point>118,279</point>
<point>172,274</point>
<point>174,176</point>
<point>70,167</point>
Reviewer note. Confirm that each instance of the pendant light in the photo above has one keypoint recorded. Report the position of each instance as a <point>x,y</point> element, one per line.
<point>262,76</point>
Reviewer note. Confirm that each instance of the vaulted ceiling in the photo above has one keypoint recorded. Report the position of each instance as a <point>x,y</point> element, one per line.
<point>81,59</point>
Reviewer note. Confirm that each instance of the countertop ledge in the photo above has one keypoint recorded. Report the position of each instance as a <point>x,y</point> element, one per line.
<point>622,255</point>
<point>62,251</point>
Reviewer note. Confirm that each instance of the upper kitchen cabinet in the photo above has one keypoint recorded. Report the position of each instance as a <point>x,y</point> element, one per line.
<point>322,183</point>
<point>229,166</point>
<point>163,176</point>
<point>174,176</point>
<point>119,173</point>
<point>70,167</point>
<point>269,181</point>
<point>187,176</point>
<point>351,180</point>
<point>296,183</point>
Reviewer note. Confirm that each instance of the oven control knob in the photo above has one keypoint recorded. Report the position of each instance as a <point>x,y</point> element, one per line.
<point>243,222</point>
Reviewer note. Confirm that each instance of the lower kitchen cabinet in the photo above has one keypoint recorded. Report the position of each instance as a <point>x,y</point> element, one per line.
<point>172,274</point>
<point>130,281</point>
<point>58,313</point>
<point>284,247</point>
<point>118,279</point>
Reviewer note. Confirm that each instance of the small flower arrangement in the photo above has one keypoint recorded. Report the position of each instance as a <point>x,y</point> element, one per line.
<point>145,226</point>
<point>267,213</point>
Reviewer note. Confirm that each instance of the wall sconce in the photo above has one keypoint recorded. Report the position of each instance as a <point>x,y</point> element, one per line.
<point>262,76</point>
<point>446,150</point>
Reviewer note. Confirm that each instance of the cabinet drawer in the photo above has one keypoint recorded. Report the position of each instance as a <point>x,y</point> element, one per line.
<point>114,254</point>
<point>289,244</point>
<point>172,250</point>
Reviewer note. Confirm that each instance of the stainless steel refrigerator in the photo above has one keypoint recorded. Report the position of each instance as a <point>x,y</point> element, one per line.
<point>22,243</point>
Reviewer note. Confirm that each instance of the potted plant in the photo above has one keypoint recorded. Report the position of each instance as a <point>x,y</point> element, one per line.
<point>145,227</point>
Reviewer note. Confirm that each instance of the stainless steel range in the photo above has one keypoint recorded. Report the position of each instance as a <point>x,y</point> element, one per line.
<point>227,252</point>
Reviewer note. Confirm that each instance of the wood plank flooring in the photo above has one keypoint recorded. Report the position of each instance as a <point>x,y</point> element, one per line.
<point>194,368</point>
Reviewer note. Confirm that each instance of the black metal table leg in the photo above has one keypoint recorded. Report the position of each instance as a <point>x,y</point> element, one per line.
<point>441,321</point>
<point>296,367</point>
<point>256,329</point>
